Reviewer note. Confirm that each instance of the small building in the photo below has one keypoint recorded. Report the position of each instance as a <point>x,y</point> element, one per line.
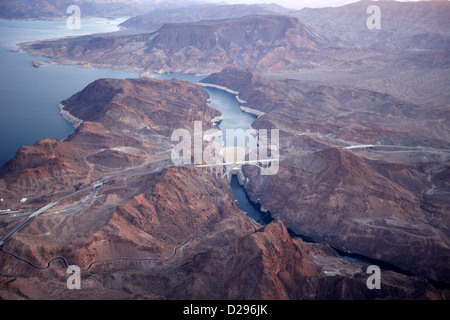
<point>23,200</point>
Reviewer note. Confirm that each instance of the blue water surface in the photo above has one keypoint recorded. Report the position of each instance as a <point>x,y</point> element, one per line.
<point>29,96</point>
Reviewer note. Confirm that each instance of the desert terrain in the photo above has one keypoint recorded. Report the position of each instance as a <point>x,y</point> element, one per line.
<point>364,164</point>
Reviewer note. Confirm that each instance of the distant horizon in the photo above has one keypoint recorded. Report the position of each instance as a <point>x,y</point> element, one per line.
<point>298,4</point>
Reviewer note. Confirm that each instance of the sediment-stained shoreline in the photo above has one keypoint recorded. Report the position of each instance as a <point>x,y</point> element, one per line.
<point>69,117</point>
<point>236,93</point>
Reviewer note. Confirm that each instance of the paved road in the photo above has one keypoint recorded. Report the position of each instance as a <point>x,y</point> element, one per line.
<point>50,205</point>
<point>109,260</point>
<point>395,148</point>
<point>43,209</point>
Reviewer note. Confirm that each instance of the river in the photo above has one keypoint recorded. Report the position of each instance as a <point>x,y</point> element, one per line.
<point>235,118</point>
<point>30,97</point>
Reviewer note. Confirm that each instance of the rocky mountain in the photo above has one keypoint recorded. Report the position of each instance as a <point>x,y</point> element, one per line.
<point>141,105</point>
<point>402,25</point>
<point>407,57</point>
<point>371,200</point>
<point>146,15</point>
<point>124,121</point>
<point>343,112</point>
<point>57,9</point>
<point>267,42</point>
<point>154,231</point>
<point>364,162</point>
<point>154,20</point>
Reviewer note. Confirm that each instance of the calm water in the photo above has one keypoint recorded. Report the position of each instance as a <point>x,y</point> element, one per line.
<point>30,97</point>
<point>234,117</point>
<point>253,210</point>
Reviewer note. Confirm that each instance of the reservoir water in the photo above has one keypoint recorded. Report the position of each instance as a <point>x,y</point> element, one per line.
<point>29,96</point>
<point>234,118</point>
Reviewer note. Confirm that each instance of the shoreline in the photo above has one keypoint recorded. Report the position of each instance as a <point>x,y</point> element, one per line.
<point>62,18</point>
<point>211,85</point>
<point>236,93</point>
<point>217,120</point>
<point>252,111</point>
<point>69,117</point>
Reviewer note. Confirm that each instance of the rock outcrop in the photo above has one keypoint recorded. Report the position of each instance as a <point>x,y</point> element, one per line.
<point>364,164</point>
<point>154,231</point>
<point>269,42</point>
<point>376,201</point>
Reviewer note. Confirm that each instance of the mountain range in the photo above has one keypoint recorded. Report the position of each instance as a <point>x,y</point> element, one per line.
<point>161,232</point>
<point>200,47</point>
<point>370,202</point>
<point>408,57</point>
<point>364,159</point>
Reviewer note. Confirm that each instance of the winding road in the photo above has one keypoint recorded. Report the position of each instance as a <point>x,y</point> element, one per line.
<point>96,188</point>
<point>175,250</point>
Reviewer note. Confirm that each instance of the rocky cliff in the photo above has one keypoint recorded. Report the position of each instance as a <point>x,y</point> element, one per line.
<point>56,9</point>
<point>269,42</point>
<point>154,231</point>
<point>377,201</point>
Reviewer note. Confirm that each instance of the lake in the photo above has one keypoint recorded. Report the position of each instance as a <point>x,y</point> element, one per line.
<point>29,96</point>
<point>234,117</point>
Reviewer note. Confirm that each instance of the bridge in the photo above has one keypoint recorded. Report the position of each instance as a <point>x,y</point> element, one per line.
<point>233,165</point>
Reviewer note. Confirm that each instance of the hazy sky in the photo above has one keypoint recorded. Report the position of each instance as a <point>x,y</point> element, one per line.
<point>297,4</point>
